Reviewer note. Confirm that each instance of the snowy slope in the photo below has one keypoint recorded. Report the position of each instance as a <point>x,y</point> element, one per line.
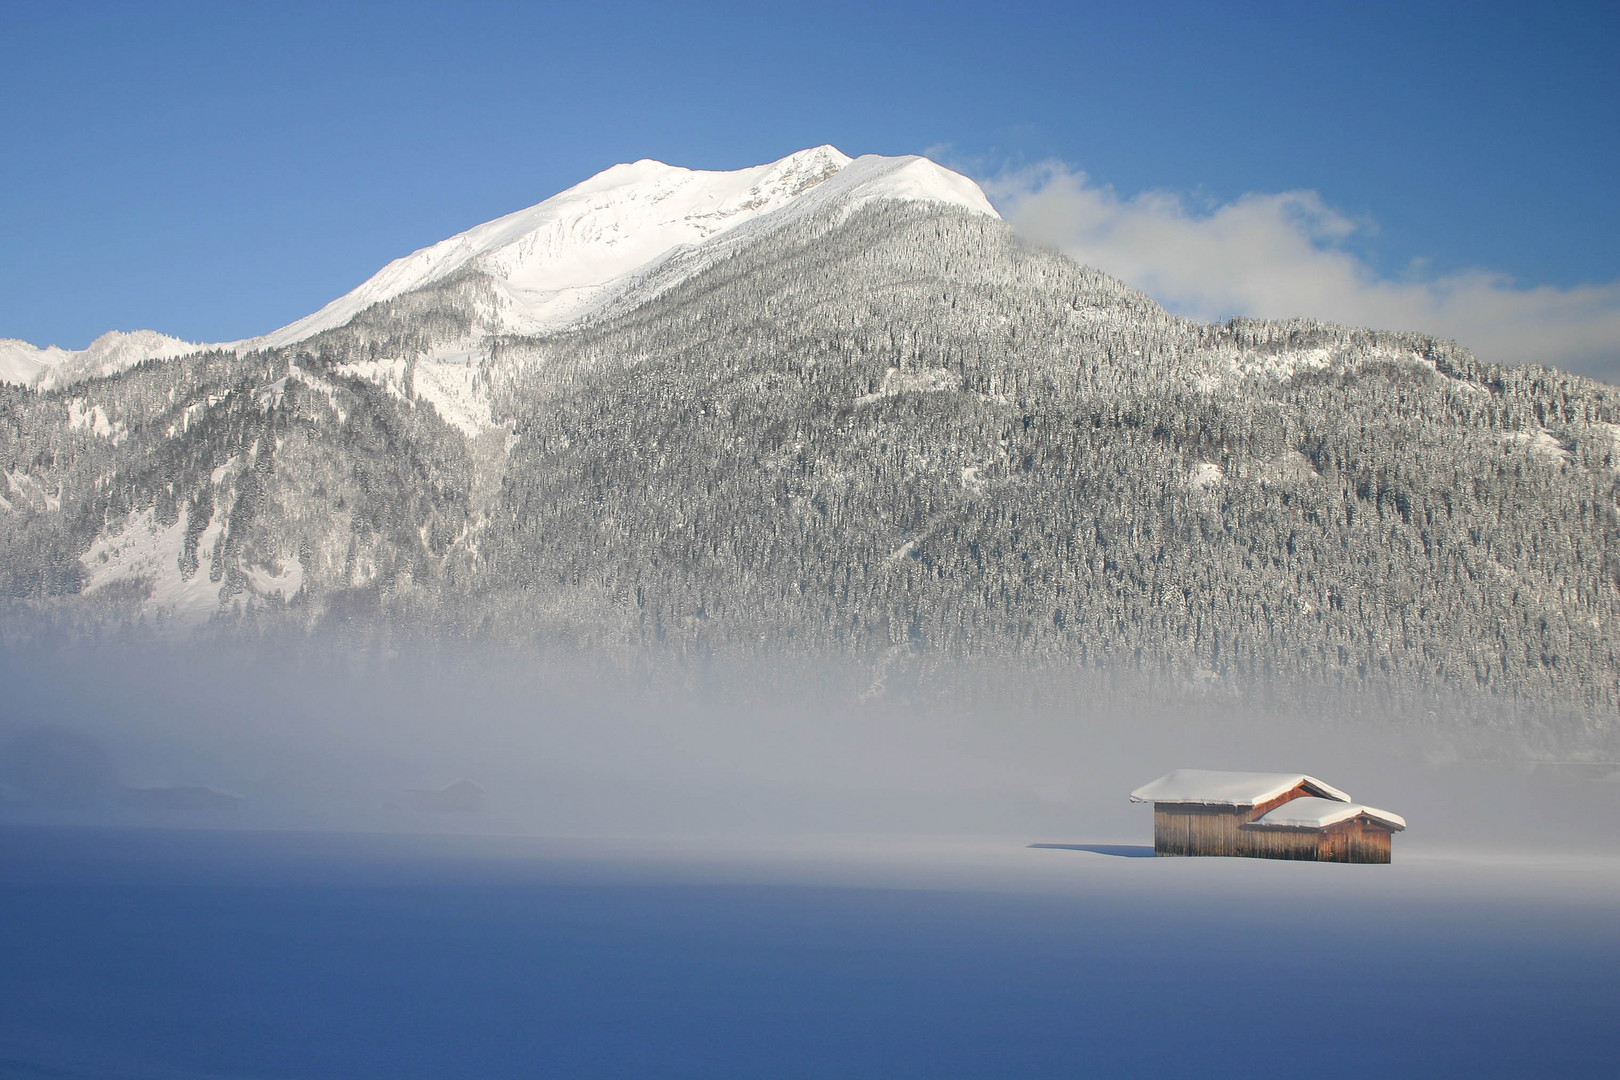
<point>553,256</point>
<point>110,353</point>
<point>866,179</point>
<point>561,259</point>
<point>21,363</point>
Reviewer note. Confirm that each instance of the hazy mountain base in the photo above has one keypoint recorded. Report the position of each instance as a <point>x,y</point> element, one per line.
<point>335,738</point>
<point>435,700</point>
<point>897,437</point>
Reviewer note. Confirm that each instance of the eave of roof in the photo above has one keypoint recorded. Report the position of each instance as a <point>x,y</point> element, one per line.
<point>1312,814</point>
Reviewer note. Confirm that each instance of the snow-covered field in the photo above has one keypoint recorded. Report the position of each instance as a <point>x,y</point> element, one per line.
<point>689,889</point>
<point>159,954</point>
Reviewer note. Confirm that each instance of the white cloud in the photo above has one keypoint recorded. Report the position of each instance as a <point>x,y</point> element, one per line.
<point>1281,255</point>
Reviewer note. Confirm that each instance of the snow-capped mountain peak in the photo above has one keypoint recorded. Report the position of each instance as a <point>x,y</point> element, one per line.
<point>556,256</point>
<point>607,242</point>
<point>557,260</point>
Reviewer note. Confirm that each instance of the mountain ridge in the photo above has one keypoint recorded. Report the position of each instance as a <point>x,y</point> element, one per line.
<point>24,364</point>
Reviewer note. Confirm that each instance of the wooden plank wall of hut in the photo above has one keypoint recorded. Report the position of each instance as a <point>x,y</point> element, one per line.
<point>1352,841</point>
<point>1302,844</point>
<point>1196,830</point>
<point>1356,841</point>
<point>1193,829</point>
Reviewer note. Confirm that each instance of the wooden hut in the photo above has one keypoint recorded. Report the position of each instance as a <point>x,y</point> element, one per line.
<point>1200,812</point>
<point>1322,830</point>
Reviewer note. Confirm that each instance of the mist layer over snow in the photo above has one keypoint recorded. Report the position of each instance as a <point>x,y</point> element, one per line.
<point>341,739</point>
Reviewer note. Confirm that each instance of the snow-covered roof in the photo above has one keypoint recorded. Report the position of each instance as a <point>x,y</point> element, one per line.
<point>1311,813</point>
<point>1211,788</point>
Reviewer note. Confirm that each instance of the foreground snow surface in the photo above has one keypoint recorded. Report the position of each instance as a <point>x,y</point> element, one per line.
<point>155,953</point>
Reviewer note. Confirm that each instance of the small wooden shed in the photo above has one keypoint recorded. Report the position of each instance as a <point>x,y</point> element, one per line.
<point>1323,830</point>
<point>1202,812</point>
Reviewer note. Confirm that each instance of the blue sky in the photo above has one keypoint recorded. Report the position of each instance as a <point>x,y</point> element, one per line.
<point>217,170</point>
